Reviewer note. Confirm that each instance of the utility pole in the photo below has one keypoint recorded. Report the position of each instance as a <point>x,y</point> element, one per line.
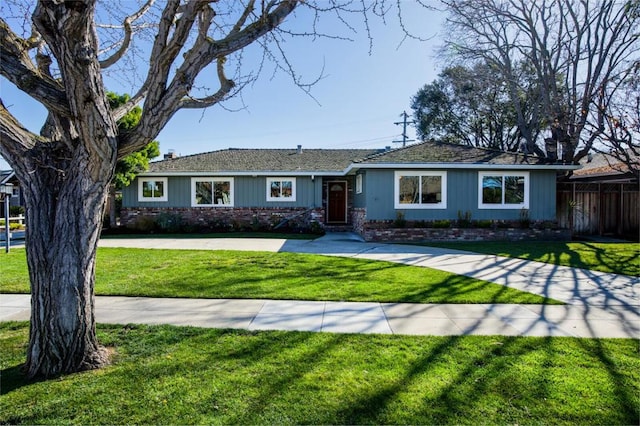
<point>404,123</point>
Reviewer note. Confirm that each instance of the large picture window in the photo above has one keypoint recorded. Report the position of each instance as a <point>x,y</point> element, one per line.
<point>420,190</point>
<point>503,190</point>
<point>152,189</point>
<point>212,192</point>
<point>281,189</point>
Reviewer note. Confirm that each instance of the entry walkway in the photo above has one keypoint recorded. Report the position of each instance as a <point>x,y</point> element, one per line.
<point>598,304</point>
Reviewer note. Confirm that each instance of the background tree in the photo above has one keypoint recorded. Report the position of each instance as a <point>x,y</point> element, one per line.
<point>577,50</point>
<point>182,53</point>
<point>133,164</point>
<point>469,105</point>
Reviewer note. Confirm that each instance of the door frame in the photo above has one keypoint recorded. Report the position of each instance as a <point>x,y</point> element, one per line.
<point>346,200</point>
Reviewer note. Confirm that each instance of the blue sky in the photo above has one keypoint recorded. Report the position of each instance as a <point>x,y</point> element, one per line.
<point>356,104</point>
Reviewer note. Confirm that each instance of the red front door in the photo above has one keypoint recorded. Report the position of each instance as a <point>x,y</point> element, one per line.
<point>337,202</point>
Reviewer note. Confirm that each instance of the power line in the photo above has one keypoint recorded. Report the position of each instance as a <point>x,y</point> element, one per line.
<point>404,123</point>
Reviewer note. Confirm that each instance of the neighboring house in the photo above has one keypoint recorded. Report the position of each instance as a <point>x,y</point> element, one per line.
<point>348,189</point>
<point>601,198</point>
<point>8,176</point>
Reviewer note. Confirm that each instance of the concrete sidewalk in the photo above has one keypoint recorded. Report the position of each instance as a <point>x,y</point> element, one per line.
<point>598,304</point>
<point>354,317</point>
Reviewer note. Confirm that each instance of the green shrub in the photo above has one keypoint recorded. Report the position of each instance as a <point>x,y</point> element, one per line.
<point>400,221</point>
<point>464,219</point>
<point>316,228</point>
<point>483,224</point>
<point>525,222</point>
<point>445,223</point>
<point>169,222</point>
<point>16,211</point>
<point>143,224</point>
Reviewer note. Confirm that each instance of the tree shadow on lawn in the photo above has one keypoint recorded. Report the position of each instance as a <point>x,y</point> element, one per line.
<point>363,281</point>
<point>492,381</point>
<point>554,253</point>
<point>181,374</point>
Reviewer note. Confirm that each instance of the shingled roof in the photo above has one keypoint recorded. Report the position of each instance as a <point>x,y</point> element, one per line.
<point>602,166</point>
<point>332,161</point>
<point>235,160</point>
<point>430,152</point>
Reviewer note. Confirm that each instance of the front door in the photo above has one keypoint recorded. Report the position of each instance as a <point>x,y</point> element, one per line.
<point>337,202</point>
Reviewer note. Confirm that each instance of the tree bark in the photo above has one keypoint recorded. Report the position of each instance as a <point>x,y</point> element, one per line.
<point>63,227</point>
<point>65,172</point>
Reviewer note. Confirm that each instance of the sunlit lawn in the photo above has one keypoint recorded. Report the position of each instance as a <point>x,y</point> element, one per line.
<point>262,275</point>
<point>618,258</point>
<point>172,375</point>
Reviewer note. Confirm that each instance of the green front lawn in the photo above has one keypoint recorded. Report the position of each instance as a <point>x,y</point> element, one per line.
<point>107,235</point>
<point>262,275</point>
<point>617,258</point>
<point>172,375</point>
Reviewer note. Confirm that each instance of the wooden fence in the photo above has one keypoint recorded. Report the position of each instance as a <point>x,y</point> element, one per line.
<point>599,208</point>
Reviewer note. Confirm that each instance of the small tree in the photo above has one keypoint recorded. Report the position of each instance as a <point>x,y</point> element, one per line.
<point>133,164</point>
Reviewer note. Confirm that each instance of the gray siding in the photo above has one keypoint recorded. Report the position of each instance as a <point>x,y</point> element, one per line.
<point>360,200</point>
<point>249,192</point>
<point>462,196</point>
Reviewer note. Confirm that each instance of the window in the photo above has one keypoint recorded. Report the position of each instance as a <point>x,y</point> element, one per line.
<point>420,190</point>
<point>152,189</point>
<point>359,184</point>
<point>281,189</point>
<point>212,192</point>
<point>498,190</point>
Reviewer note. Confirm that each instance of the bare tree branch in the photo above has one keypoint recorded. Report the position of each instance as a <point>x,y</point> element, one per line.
<point>226,86</point>
<point>128,31</point>
<point>576,47</point>
<point>17,67</point>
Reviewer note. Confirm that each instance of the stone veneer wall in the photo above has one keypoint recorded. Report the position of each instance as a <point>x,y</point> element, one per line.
<point>227,216</point>
<point>464,234</point>
<point>359,219</point>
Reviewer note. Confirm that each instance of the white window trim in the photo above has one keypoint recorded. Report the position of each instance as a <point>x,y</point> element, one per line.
<point>359,183</point>
<point>291,199</point>
<point>503,206</point>
<point>142,198</point>
<point>212,180</point>
<point>396,191</point>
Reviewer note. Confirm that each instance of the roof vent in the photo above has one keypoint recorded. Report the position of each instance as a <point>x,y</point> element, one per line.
<point>170,155</point>
<point>299,149</point>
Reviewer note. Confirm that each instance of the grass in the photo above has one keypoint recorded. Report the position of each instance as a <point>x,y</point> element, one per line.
<point>234,234</point>
<point>260,275</point>
<point>172,375</point>
<point>617,258</point>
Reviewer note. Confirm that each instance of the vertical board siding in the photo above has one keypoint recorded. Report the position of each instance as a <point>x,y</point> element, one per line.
<point>462,197</point>
<point>249,191</point>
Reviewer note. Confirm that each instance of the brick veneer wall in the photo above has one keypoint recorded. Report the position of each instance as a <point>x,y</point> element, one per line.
<point>227,216</point>
<point>464,234</point>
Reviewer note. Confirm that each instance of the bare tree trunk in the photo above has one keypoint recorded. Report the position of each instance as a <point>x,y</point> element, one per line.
<point>63,227</point>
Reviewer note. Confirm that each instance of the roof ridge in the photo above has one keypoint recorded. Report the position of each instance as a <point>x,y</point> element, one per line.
<point>435,142</point>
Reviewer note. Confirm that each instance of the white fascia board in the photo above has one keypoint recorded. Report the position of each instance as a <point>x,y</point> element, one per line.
<point>8,177</point>
<point>474,166</point>
<point>242,173</point>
